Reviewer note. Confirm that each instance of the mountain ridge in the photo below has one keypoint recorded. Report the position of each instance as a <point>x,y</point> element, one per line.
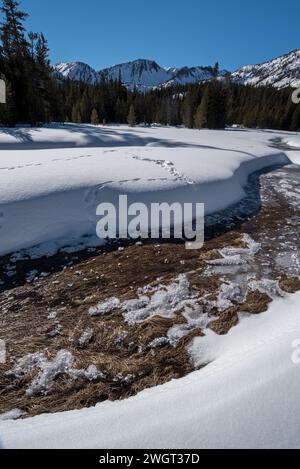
<point>145,75</point>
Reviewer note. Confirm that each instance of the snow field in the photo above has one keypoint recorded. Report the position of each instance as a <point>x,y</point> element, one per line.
<point>48,197</point>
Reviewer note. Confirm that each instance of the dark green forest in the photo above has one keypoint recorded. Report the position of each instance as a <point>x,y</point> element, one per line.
<point>36,96</point>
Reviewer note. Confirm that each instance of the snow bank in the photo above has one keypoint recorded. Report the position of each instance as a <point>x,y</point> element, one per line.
<point>248,396</point>
<point>293,141</point>
<point>48,197</point>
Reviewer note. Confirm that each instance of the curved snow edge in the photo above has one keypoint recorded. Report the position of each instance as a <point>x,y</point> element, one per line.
<point>67,218</point>
<point>247,398</point>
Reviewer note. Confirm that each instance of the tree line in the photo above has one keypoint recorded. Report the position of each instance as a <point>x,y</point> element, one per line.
<point>36,95</point>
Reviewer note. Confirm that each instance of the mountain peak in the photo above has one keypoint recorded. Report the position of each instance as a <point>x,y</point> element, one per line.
<point>279,72</point>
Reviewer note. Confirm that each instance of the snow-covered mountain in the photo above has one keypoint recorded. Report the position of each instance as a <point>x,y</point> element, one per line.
<point>141,74</point>
<point>77,71</point>
<point>280,72</point>
<point>145,75</point>
<point>186,75</point>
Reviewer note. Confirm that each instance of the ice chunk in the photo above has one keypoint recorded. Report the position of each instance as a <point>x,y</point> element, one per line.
<point>13,414</point>
<point>50,371</point>
<point>105,307</point>
<point>164,302</point>
<point>86,337</point>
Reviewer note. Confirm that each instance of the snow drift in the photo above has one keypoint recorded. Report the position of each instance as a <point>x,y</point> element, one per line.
<point>48,197</point>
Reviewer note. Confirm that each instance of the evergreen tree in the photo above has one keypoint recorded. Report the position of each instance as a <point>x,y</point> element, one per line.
<point>131,119</point>
<point>43,79</point>
<point>85,107</point>
<point>215,71</point>
<point>186,112</point>
<point>79,117</point>
<point>76,115</point>
<point>202,114</point>
<point>295,124</point>
<point>25,64</point>
<point>94,117</point>
<point>16,58</point>
<point>199,117</point>
<point>32,38</point>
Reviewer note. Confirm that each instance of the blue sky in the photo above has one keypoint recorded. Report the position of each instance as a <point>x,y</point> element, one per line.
<point>174,33</point>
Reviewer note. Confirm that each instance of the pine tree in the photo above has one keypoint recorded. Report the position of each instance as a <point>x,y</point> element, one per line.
<point>217,106</point>
<point>94,117</point>
<point>44,81</point>
<point>201,116</point>
<point>131,119</point>
<point>79,118</point>
<point>33,38</point>
<point>295,124</point>
<point>121,111</point>
<point>76,116</point>
<point>13,39</point>
<point>215,71</point>
<point>186,112</point>
<point>16,58</point>
<point>25,64</point>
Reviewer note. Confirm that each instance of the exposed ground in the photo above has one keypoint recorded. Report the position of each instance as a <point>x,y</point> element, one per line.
<point>50,305</point>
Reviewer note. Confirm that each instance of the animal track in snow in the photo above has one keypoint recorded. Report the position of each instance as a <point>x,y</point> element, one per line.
<point>168,166</point>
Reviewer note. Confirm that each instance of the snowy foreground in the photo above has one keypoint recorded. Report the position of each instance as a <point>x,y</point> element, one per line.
<point>52,179</point>
<point>248,396</point>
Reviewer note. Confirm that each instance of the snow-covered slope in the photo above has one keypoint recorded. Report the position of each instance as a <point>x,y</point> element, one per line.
<point>247,397</point>
<point>48,197</point>
<point>145,75</point>
<point>141,74</point>
<point>186,75</point>
<point>77,71</point>
<point>280,72</point>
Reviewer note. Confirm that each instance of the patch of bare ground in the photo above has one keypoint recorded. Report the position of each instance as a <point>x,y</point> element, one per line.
<point>256,303</point>
<point>226,320</point>
<point>51,314</point>
<point>289,284</point>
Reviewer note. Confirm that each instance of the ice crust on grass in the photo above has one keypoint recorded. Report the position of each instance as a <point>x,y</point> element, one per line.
<point>50,370</point>
<point>164,302</point>
<point>228,260</point>
<point>13,414</point>
<point>237,256</point>
<point>270,287</point>
<point>229,293</point>
<point>105,307</point>
<point>86,337</point>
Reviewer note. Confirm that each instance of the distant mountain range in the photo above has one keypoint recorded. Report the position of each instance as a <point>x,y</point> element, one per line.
<point>145,75</point>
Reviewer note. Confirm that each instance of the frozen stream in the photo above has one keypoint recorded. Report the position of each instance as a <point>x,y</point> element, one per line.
<point>274,199</point>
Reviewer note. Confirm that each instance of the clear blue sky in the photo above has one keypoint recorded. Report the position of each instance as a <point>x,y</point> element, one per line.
<point>174,33</point>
